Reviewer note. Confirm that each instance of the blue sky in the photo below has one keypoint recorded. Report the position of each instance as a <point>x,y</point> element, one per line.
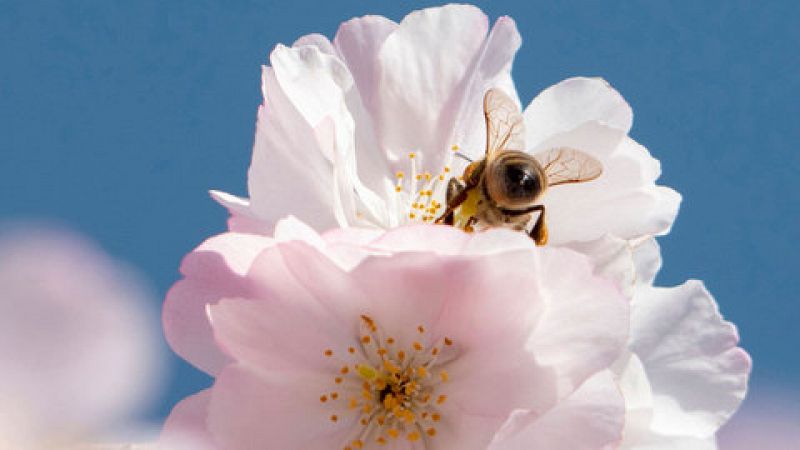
<point>117,117</point>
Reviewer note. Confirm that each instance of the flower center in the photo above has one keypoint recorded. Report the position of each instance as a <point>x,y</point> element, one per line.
<point>417,193</point>
<point>389,385</point>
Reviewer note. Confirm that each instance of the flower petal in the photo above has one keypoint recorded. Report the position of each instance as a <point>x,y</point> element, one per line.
<point>589,419</point>
<point>422,76</point>
<point>242,219</point>
<point>250,410</point>
<point>647,259</point>
<point>584,327</point>
<point>611,258</point>
<point>284,326</point>
<point>186,428</point>
<point>697,373</point>
<point>316,40</point>
<point>624,201</point>
<point>572,102</point>
<point>492,70</point>
<point>212,271</point>
<point>358,42</point>
<point>291,169</point>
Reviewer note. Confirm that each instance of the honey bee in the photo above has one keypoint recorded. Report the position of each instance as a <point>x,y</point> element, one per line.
<point>504,187</point>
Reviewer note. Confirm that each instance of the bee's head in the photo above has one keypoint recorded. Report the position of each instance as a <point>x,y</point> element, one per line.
<point>514,180</point>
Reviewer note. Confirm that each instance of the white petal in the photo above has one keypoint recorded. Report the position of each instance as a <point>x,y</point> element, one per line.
<point>317,85</point>
<point>358,42</point>
<point>624,201</point>
<point>635,387</point>
<point>492,70</point>
<point>589,419</point>
<point>316,40</point>
<point>242,219</point>
<point>697,373</point>
<point>573,102</point>
<point>611,258</point>
<point>423,68</point>
<point>647,259</point>
<point>290,170</point>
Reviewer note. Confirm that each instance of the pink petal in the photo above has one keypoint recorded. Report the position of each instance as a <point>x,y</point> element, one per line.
<point>589,419</point>
<point>186,428</point>
<point>249,410</point>
<point>212,271</point>
<point>421,238</point>
<point>280,334</point>
<point>585,323</point>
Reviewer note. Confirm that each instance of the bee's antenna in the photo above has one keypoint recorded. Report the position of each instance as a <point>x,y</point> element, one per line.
<point>463,156</point>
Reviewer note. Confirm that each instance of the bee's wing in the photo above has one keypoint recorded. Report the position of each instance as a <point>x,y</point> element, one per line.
<point>505,128</point>
<point>564,165</point>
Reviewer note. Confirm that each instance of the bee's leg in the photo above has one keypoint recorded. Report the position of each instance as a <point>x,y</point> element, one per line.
<point>454,196</point>
<point>539,231</point>
<point>470,222</point>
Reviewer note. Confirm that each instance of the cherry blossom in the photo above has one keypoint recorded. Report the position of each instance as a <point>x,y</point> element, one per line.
<point>356,339</point>
<point>367,129</point>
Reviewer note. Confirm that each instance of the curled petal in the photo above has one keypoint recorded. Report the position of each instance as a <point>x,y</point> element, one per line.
<point>573,102</point>
<point>214,270</point>
<point>697,373</point>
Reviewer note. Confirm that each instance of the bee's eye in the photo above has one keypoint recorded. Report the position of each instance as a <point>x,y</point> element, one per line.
<point>520,181</point>
<point>514,180</point>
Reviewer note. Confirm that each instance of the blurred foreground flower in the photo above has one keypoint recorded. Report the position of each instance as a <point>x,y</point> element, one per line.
<point>78,352</point>
<point>360,131</point>
<point>426,338</point>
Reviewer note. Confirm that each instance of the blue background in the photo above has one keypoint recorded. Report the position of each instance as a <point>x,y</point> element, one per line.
<point>116,117</point>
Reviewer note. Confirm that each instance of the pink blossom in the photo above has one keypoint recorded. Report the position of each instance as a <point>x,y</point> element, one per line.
<point>422,337</point>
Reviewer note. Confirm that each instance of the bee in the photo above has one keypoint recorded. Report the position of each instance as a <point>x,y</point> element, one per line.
<point>505,186</point>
